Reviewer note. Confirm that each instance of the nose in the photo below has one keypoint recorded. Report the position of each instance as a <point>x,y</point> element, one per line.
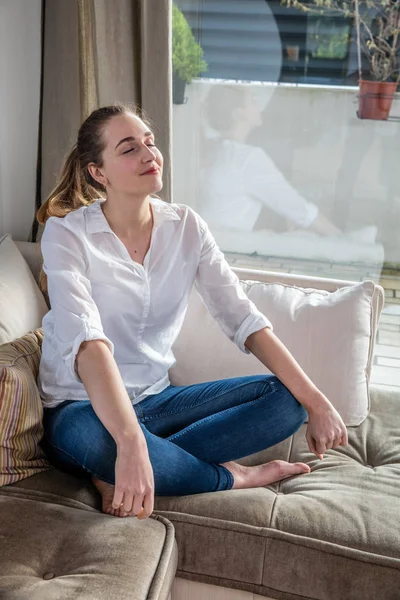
<point>148,154</point>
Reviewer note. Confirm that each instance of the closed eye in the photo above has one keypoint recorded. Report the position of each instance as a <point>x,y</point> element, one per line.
<point>131,149</point>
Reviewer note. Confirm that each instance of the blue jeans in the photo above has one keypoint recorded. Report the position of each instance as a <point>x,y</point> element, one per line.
<point>189,430</point>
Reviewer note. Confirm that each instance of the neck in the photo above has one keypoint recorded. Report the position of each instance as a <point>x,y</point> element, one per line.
<point>128,217</point>
<point>239,131</point>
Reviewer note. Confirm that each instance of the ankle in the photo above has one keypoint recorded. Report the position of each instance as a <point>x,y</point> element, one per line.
<point>238,474</point>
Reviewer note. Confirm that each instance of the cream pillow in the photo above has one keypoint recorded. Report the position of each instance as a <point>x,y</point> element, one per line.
<point>331,335</point>
<point>21,410</point>
<point>22,305</point>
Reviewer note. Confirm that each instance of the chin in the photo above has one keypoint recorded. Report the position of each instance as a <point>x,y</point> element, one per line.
<point>157,188</point>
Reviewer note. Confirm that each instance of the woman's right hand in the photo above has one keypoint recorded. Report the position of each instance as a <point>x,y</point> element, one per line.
<point>134,479</point>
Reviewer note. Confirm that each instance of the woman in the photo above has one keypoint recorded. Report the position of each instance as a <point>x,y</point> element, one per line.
<point>118,266</point>
<point>241,187</point>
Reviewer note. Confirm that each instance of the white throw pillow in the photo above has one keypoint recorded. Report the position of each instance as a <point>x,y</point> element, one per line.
<point>331,335</point>
<point>22,305</point>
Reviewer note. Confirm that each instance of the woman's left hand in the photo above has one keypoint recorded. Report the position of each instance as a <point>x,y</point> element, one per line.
<point>325,428</point>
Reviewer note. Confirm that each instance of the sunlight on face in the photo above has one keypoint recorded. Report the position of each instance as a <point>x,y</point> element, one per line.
<point>131,162</point>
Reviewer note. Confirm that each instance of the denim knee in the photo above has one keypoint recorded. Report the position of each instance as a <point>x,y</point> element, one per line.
<point>298,413</point>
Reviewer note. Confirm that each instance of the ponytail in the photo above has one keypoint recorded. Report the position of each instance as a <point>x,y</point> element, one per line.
<point>76,187</point>
<point>71,192</point>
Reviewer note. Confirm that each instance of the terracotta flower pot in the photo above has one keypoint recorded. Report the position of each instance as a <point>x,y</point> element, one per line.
<point>375,99</point>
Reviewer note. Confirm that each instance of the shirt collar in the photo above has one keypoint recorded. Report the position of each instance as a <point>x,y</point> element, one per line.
<point>96,221</point>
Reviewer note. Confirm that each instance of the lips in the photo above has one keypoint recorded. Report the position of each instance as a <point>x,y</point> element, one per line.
<point>152,171</point>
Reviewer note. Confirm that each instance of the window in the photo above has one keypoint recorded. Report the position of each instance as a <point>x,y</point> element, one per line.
<point>258,40</point>
<point>269,150</point>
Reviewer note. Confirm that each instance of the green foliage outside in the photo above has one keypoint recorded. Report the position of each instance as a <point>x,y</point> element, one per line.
<point>329,38</point>
<point>187,54</point>
<point>332,46</point>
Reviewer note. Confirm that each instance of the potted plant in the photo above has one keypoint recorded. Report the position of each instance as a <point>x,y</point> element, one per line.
<point>378,24</point>
<point>187,55</point>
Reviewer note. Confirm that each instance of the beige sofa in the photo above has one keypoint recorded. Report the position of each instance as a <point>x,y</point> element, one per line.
<point>334,534</point>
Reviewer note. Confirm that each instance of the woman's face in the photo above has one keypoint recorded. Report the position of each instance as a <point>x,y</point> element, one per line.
<point>251,111</point>
<point>132,164</point>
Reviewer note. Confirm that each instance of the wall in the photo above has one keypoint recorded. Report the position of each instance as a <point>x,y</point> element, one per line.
<point>20,26</point>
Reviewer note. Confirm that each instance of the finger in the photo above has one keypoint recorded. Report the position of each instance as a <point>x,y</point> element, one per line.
<point>137,504</point>
<point>148,506</point>
<point>120,512</point>
<point>118,497</point>
<point>345,438</point>
<point>311,445</point>
<point>320,446</point>
<point>128,502</point>
<point>310,441</point>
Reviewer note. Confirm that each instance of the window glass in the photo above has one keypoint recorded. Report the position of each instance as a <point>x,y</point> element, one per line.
<point>268,148</point>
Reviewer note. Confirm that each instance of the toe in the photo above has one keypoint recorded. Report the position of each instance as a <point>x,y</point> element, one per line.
<point>303,467</point>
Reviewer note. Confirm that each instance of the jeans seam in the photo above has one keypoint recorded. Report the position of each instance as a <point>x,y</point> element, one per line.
<point>172,412</point>
<point>77,461</point>
<point>138,409</point>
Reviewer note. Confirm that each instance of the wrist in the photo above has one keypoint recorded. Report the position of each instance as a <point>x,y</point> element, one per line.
<point>315,402</point>
<point>127,439</point>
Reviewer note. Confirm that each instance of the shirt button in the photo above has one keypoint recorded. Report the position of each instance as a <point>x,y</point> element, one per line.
<point>48,575</point>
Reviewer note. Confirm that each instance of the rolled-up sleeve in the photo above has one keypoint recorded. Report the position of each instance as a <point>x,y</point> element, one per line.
<point>223,295</point>
<point>76,316</point>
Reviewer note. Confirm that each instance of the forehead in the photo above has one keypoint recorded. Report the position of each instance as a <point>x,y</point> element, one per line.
<point>123,126</point>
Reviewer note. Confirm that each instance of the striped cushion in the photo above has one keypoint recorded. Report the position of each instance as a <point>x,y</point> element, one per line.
<point>21,409</point>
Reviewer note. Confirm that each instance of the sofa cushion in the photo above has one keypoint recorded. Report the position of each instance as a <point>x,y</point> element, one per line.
<point>332,533</point>
<point>56,549</point>
<point>22,305</point>
<point>21,409</point>
<point>331,335</point>
<point>33,255</point>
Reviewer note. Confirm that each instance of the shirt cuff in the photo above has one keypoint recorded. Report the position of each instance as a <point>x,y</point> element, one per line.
<point>252,323</point>
<point>88,334</point>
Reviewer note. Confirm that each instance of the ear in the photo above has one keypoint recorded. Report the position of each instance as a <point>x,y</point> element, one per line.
<point>97,174</point>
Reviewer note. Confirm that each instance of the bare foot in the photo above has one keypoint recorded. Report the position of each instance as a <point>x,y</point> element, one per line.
<point>259,475</point>
<point>107,494</point>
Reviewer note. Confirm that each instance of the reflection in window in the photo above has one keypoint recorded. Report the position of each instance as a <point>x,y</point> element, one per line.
<point>286,175</point>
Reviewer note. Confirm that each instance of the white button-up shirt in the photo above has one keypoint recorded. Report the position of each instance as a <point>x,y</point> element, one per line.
<point>97,292</point>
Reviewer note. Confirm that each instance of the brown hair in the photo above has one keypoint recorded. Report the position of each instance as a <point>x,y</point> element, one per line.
<point>75,186</point>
